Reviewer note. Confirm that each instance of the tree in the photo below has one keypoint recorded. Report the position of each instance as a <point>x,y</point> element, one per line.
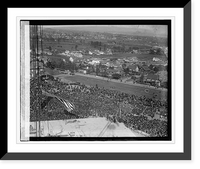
<point>163,76</point>
<point>151,51</point>
<point>91,69</point>
<point>58,40</point>
<point>166,68</point>
<point>164,84</point>
<point>141,78</point>
<point>126,70</point>
<point>97,70</point>
<point>151,66</point>
<point>123,65</point>
<point>62,64</point>
<point>116,76</point>
<point>50,65</point>
<point>104,47</point>
<point>123,48</point>
<point>159,51</point>
<point>156,69</point>
<point>133,77</point>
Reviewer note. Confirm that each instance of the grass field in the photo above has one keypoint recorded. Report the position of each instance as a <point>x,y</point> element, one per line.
<point>141,57</point>
<point>126,88</point>
<point>63,46</point>
<point>56,57</point>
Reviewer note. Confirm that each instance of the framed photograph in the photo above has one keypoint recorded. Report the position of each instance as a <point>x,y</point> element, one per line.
<point>101,87</point>
<point>91,84</point>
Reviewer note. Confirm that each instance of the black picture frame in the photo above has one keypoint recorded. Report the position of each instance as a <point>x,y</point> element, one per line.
<point>186,155</point>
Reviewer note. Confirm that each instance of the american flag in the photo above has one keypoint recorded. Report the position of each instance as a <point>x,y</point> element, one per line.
<point>68,105</point>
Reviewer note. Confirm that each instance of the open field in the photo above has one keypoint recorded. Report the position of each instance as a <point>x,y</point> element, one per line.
<point>140,57</point>
<point>122,87</point>
<point>63,46</point>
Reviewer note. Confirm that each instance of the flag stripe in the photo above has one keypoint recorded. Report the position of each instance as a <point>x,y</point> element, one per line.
<point>69,106</point>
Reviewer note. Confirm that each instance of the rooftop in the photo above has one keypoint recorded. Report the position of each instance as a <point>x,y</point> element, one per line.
<point>133,67</point>
<point>152,76</point>
<point>145,67</point>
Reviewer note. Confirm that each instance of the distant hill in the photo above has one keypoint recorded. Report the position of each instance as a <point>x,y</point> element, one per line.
<point>142,30</point>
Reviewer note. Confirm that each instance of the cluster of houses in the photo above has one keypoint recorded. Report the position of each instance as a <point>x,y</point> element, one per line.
<point>160,50</point>
<point>72,53</point>
<point>130,67</point>
<point>80,53</point>
<point>138,72</point>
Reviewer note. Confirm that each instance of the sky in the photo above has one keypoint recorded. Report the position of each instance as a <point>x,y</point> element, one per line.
<point>146,30</point>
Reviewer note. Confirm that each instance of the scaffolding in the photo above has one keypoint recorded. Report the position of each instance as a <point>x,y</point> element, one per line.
<point>36,66</point>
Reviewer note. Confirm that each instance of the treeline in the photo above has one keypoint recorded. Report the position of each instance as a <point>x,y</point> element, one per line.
<point>98,45</point>
<point>119,48</point>
<point>59,63</point>
<point>157,51</point>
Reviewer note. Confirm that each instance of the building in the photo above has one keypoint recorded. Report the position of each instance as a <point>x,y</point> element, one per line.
<point>47,52</point>
<point>82,71</point>
<point>108,52</point>
<point>112,71</point>
<point>134,51</point>
<point>94,62</point>
<point>152,79</point>
<point>156,59</point>
<point>102,68</point>
<point>103,74</point>
<point>133,68</point>
<point>90,53</point>
<point>145,68</point>
<point>76,54</point>
<point>134,59</point>
<point>117,64</point>
<point>163,76</point>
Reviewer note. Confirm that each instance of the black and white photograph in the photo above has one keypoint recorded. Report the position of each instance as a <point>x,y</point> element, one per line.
<point>98,84</point>
<point>95,80</point>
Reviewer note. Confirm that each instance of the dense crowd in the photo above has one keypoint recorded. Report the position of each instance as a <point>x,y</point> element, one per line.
<point>136,112</point>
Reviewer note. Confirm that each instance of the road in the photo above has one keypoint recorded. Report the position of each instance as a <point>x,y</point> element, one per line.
<point>118,81</point>
<point>136,89</point>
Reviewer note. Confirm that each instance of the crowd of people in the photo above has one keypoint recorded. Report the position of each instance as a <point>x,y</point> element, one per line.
<point>94,101</point>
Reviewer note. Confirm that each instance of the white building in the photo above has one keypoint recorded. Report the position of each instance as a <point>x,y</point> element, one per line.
<point>156,59</point>
<point>94,62</point>
<point>71,59</point>
<point>90,53</point>
<point>76,54</point>
<point>108,52</point>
